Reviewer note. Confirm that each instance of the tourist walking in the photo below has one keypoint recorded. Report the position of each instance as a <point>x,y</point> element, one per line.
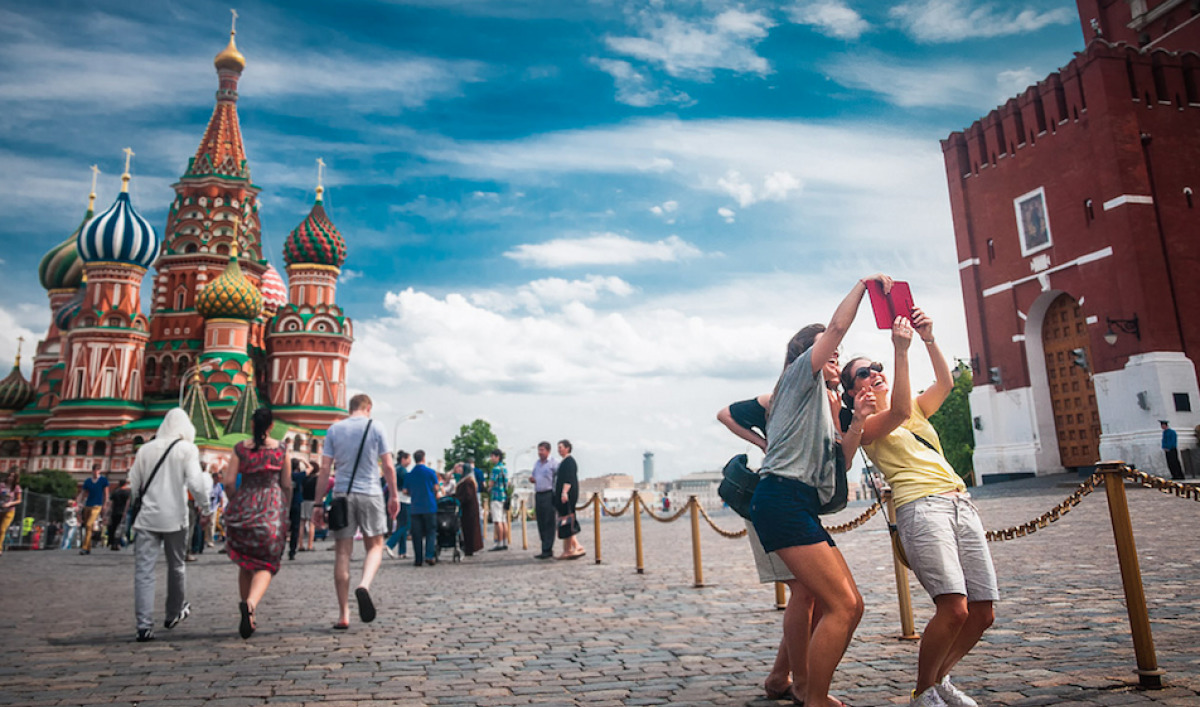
<point>798,476</point>
<point>357,448</point>
<point>939,527</point>
<point>399,536</point>
<point>308,504</point>
<point>255,524</point>
<point>10,498</point>
<point>93,497</point>
<point>566,495</point>
<point>296,506</point>
<point>1170,446</point>
<point>118,502</point>
<point>467,493</point>
<point>422,486</point>
<point>165,469</point>
<point>542,475</point>
<point>70,524</point>
<point>499,501</point>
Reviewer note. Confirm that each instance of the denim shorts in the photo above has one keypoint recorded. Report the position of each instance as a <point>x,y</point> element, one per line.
<point>946,546</point>
<point>785,514</point>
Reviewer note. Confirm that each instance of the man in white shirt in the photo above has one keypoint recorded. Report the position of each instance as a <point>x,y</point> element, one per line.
<point>543,486</point>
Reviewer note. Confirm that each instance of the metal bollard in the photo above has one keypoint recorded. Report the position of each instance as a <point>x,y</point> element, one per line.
<point>699,571</point>
<point>596,513</point>
<point>524,531</point>
<point>908,629</point>
<point>637,531</point>
<point>780,596</point>
<point>1149,674</point>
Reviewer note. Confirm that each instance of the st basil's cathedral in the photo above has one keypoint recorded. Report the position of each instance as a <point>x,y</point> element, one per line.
<point>224,336</point>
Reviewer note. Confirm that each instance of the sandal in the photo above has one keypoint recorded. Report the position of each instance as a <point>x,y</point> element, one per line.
<point>341,627</point>
<point>782,693</point>
<point>247,627</point>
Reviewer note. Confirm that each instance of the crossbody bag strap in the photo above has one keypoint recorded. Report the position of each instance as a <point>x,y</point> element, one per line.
<point>357,459</point>
<point>142,490</point>
<point>923,441</point>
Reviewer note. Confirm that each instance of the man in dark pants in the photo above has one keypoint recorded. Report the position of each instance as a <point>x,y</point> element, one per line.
<point>299,474</point>
<point>118,501</point>
<point>543,485</point>
<point>422,483</point>
<point>1170,445</point>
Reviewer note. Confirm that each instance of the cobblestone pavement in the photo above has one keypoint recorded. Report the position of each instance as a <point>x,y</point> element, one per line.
<point>505,629</point>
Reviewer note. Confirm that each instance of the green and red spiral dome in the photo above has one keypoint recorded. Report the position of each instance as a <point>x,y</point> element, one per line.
<point>315,241</point>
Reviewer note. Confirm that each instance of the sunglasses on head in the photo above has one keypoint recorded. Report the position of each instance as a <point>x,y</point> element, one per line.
<point>864,372</point>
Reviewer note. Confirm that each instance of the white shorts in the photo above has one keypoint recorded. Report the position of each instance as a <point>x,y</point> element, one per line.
<point>498,513</point>
<point>946,546</point>
<point>306,508</point>
<point>770,567</point>
<point>366,512</point>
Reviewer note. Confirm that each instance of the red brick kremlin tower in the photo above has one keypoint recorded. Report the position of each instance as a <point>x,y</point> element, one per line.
<point>1076,220</point>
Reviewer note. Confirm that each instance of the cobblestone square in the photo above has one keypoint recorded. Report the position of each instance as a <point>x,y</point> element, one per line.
<point>505,629</point>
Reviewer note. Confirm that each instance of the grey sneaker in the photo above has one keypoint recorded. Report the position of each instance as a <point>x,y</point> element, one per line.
<point>953,696</point>
<point>929,698</point>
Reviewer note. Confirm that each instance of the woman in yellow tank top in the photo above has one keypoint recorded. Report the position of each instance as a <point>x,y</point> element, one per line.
<point>939,527</point>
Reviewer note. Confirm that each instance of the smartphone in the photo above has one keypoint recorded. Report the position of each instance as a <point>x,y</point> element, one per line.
<point>897,303</point>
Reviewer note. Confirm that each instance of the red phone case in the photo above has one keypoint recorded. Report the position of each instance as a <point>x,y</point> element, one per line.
<point>897,303</point>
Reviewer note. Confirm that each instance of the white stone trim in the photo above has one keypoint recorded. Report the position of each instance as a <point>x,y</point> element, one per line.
<point>1127,199</point>
<point>1081,260</point>
<point>970,262</point>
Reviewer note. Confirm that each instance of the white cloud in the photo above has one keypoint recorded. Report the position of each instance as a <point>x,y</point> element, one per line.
<point>601,249</point>
<point>553,293</point>
<point>635,88</point>
<point>726,213</point>
<point>832,18</point>
<point>933,85</point>
<point>693,49</point>
<point>775,187</point>
<point>959,20</point>
<point>667,207</point>
<point>349,275</point>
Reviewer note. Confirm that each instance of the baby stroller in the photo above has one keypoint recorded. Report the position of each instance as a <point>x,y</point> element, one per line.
<point>449,527</point>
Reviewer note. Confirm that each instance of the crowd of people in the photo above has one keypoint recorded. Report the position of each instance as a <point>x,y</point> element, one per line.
<point>817,417</point>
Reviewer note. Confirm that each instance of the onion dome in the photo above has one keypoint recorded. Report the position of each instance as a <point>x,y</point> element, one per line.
<point>67,312</point>
<point>230,58</point>
<point>273,291</point>
<point>315,241</point>
<point>61,268</point>
<point>120,234</point>
<point>15,391</point>
<point>230,296</point>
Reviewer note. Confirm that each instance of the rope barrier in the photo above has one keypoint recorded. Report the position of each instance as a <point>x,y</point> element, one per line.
<point>720,531</point>
<point>616,514</point>
<point>665,519</point>
<point>847,527</point>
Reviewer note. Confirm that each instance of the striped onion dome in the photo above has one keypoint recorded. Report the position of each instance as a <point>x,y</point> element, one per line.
<point>119,235</point>
<point>15,391</point>
<point>230,296</point>
<point>274,294</point>
<point>61,268</point>
<point>315,241</point>
<point>67,312</point>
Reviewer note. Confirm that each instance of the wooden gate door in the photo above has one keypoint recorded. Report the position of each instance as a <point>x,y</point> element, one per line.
<point>1076,417</point>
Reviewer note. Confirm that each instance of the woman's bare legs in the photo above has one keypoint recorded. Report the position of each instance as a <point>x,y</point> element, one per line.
<point>953,631</point>
<point>823,572</point>
<point>787,671</point>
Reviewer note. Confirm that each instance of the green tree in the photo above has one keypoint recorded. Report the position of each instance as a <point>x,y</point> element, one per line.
<point>473,440</point>
<point>953,424</point>
<point>52,482</point>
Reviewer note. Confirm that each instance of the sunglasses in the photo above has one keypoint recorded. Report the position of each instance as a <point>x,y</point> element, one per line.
<point>865,371</point>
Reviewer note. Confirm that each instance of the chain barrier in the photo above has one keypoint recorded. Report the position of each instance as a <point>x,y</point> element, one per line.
<point>720,531</point>
<point>1050,516</point>
<point>851,525</point>
<point>666,519</point>
<point>1165,485</point>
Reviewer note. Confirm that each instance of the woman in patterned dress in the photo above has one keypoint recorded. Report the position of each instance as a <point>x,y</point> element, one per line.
<point>255,525</point>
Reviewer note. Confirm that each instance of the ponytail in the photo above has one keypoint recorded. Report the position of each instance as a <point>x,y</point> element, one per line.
<point>262,421</point>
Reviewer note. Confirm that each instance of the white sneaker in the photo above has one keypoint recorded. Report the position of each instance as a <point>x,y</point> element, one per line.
<point>929,698</point>
<point>390,552</point>
<point>953,696</point>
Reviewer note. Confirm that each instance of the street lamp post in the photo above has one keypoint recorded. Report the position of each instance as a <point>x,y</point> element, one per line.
<point>396,429</point>
<point>193,370</point>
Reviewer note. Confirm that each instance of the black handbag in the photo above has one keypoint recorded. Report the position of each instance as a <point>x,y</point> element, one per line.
<point>135,506</point>
<point>568,526</point>
<point>339,509</point>
<point>841,486</point>
<point>737,488</point>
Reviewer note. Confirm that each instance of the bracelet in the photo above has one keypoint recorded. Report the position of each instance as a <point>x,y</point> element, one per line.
<point>857,432</point>
<point>929,342</point>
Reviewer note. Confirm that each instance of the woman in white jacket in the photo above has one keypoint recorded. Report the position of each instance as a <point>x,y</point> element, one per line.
<point>163,518</point>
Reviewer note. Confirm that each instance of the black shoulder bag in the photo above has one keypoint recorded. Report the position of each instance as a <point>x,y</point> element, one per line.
<point>737,486</point>
<point>136,506</point>
<point>339,510</point>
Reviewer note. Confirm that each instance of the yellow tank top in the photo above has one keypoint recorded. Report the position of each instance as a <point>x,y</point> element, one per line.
<point>912,469</point>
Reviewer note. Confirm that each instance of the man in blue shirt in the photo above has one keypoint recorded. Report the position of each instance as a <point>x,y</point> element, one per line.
<point>93,498</point>
<point>422,484</point>
<point>543,499</point>
<point>1170,445</point>
<point>358,448</point>
<point>499,495</point>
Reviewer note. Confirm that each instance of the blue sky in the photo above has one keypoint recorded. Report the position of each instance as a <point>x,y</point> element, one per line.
<point>599,219</point>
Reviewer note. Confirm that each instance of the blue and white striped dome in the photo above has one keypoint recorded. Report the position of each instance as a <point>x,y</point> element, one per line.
<point>119,235</point>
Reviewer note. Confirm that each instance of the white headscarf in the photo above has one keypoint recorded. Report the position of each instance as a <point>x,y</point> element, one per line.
<point>176,425</point>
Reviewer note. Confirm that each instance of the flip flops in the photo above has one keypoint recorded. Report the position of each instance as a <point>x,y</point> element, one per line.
<point>366,608</point>
<point>247,626</point>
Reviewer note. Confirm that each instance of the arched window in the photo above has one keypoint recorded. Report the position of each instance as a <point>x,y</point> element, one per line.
<point>100,448</point>
<point>45,448</point>
<point>54,449</point>
<point>298,444</point>
<point>151,368</point>
<point>314,446</point>
<point>81,448</point>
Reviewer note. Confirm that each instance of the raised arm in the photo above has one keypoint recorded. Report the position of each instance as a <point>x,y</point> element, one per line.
<point>864,407</point>
<point>934,395</point>
<point>842,318</point>
<point>881,424</point>
<point>725,417</point>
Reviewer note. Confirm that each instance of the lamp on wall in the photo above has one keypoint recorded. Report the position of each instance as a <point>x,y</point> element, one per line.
<point>1129,326</point>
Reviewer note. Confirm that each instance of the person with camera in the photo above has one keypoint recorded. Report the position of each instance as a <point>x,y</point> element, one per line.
<point>357,448</point>
<point>938,526</point>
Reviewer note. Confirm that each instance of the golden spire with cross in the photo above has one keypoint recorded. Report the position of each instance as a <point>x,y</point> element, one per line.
<point>320,174</point>
<point>20,341</point>
<point>92,196</point>
<point>230,57</point>
<point>125,177</point>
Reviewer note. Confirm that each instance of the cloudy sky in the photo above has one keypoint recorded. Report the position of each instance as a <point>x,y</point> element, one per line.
<point>596,219</point>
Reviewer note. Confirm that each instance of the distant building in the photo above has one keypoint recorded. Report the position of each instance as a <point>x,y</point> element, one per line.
<point>648,468</point>
<point>613,488</point>
<point>701,484</point>
<point>1075,220</point>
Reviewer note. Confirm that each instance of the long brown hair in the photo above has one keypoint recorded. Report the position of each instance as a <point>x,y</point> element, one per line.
<point>801,342</point>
